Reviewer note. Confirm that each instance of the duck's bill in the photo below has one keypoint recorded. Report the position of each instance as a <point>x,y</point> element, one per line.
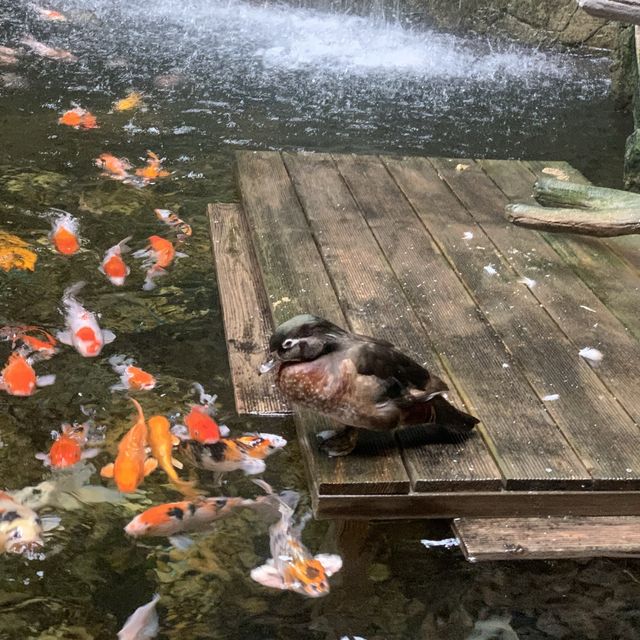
<point>267,366</point>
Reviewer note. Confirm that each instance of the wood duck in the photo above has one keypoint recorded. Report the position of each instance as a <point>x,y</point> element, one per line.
<point>358,381</point>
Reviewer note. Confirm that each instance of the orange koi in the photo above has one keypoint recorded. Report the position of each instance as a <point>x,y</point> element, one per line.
<point>68,447</point>
<point>114,168</point>
<point>132,100</point>
<point>291,566</point>
<point>131,465</point>
<point>153,170</point>
<point>64,233</point>
<point>130,377</point>
<point>78,119</point>
<point>45,51</point>
<point>18,378</point>
<point>113,266</point>
<point>158,255</point>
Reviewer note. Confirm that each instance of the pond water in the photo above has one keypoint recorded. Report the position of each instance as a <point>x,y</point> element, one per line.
<point>216,77</point>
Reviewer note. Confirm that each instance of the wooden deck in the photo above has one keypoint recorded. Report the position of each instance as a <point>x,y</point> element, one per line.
<point>417,251</point>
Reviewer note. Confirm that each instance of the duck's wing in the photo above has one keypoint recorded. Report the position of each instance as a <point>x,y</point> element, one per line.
<point>399,377</point>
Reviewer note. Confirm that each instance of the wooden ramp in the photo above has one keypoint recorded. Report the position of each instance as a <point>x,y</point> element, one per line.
<point>417,251</point>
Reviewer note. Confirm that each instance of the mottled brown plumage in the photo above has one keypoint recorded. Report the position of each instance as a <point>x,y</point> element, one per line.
<point>358,381</point>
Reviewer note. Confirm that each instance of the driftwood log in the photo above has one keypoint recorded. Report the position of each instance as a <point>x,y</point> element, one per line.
<point>621,10</point>
<point>570,207</point>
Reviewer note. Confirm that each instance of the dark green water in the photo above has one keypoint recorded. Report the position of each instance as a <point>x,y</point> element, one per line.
<point>255,76</point>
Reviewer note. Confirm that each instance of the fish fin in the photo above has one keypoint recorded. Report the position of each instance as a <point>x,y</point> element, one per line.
<point>50,522</point>
<point>175,441</point>
<point>64,337</point>
<point>331,562</point>
<point>176,463</point>
<point>90,453</point>
<point>44,457</point>
<point>268,576</point>
<point>181,542</point>
<point>118,387</point>
<point>148,285</point>
<point>107,470</point>
<point>150,465</point>
<point>224,430</point>
<point>108,336</point>
<point>179,254</point>
<point>252,466</point>
<point>45,381</point>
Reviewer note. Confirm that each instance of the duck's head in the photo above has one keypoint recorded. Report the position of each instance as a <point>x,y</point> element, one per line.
<point>302,339</point>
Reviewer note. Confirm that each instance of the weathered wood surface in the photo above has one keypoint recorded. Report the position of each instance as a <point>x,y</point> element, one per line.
<point>620,10</point>
<point>245,312</point>
<point>296,281</point>
<point>585,323</point>
<point>547,538</point>
<point>598,428</point>
<point>374,304</point>
<point>500,396</point>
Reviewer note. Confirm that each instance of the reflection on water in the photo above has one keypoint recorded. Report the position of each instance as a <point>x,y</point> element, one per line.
<point>217,76</point>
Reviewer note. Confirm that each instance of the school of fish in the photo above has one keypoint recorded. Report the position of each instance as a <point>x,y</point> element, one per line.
<point>157,443</point>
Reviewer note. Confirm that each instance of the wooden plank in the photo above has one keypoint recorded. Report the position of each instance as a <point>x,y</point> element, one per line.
<point>547,538</point>
<point>621,10</point>
<point>500,396</point>
<point>245,312</point>
<point>607,267</point>
<point>505,504</point>
<point>374,304</point>
<point>597,427</point>
<point>586,322</point>
<point>296,281</point>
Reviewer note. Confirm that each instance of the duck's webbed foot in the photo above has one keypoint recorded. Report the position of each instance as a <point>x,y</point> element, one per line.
<point>340,442</point>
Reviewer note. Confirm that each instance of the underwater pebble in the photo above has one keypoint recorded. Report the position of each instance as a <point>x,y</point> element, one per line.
<point>490,269</point>
<point>551,397</point>
<point>590,353</point>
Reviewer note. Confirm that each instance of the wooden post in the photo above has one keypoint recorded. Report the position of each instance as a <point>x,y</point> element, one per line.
<point>621,10</point>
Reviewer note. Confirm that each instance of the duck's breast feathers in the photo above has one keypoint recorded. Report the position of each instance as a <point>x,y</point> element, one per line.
<point>399,376</point>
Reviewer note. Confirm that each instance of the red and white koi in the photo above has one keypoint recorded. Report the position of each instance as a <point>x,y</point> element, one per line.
<point>69,447</point>
<point>157,256</point>
<point>291,566</point>
<point>64,231</point>
<point>18,378</point>
<point>82,332</point>
<point>49,14</point>
<point>182,229</point>
<point>113,265</point>
<point>131,377</point>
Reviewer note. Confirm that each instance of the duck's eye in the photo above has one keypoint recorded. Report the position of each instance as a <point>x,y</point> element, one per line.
<point>288,343</point>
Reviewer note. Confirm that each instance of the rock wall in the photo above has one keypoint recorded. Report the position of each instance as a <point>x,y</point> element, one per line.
<point>542,22</point>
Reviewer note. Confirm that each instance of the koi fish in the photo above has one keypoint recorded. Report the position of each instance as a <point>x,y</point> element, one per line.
<point>168,217</point>
<point>162,442</point>
<point>291,566</point>
<point>158,255</point>
<point>8,56</point>
<point>45,51</point>
<point>261,445</point>
<point>49,14</point>
<point>130,377</point>
<point>113,265</point>
<point>132,100</point>
<point>131,465</point>
<point>64,232</point>
<point>114,168</point>
<point>187,516</point>
<point>42,343</point>
<point>153,170</point>
<point>82,332</point>
<point>68,447</point>
<point>20,527</point>
<point>78,118</point>
<point>142,624</point>
<point>18,378</point>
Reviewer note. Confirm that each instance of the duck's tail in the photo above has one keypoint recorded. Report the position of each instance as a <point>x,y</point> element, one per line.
<point>450,418</point>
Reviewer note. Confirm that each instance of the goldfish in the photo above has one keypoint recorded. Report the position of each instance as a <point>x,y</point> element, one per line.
<point>131,464</point>
<point>20,527</point>
<point>201,426</point>
<point>64,231</point>
<point>42,343</point>
<point>291,566</point>
<point>130,377</point>
<point>168,217</point>
<point>142,624</point>
<point>114,168</point>
<point>49,14</point>
<point>158,255</point>
<point>82,332</point>
<point>68,447</point>
<point>162,442</point>
<point>18,378</point>
<point>131,101</point>
<point>113,265</point>
<point>46,51</point>
<point>153,170</point>
<point>187,516</point>
<point>78,118</point>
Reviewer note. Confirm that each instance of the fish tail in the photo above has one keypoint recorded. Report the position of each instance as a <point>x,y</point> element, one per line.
<point>138,409</point>
<point>124,247</point>
<point>72,291</point>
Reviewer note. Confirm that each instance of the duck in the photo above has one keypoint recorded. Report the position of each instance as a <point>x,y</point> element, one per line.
<point>357,381</point>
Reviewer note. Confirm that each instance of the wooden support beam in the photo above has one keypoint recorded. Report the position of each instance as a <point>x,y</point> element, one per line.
<point>621,10</point>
